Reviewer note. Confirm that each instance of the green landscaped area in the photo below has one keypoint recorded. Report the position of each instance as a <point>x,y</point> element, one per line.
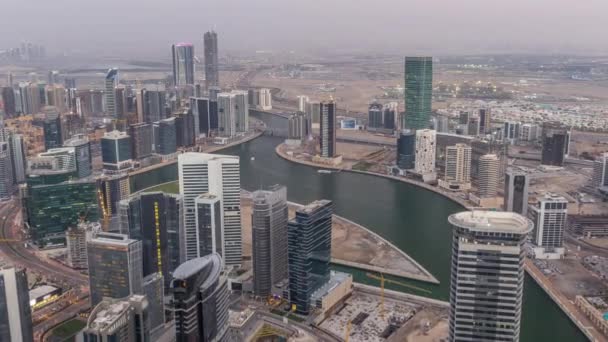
<point>171,187</point>
<point>67,330</point>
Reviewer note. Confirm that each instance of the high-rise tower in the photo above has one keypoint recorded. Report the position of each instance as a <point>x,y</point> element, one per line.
<point>269,239</point>
<point>183,64</point>
<point>212,78</point>
<point>487,275</point>
<point>15,311</point>
<point>516,192</point>
<point>110,94</point>
<point>328,129</point>
<point>418,92</point>
<point>219,175</point>
<point>309,252</point>
<point>115,266</point>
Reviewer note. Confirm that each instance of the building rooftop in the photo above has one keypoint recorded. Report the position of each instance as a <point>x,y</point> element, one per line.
<point>41,291</point>
<point>198,158</point>
<point>310,207</point>
<point>191,267</point>
<point>335,279</point>
<point>112,239</point>
<point>115,135</point>
<point>492,221</point>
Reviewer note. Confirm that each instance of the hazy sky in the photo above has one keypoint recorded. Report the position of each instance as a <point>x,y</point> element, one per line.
<point>147,27</point>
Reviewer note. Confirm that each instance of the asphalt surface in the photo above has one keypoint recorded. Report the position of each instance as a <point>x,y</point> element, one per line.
<point>59,275</point>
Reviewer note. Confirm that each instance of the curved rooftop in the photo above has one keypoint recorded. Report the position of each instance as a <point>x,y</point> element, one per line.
<point>492,221</point>
<point>210,264</point>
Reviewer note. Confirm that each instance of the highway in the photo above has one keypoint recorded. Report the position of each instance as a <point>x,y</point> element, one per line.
<point>57,274</point>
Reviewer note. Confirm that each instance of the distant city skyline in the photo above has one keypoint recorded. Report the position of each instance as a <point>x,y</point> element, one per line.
<point>471,26</point>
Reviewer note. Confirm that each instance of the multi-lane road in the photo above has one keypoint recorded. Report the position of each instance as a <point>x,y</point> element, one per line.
<point>14,251</point>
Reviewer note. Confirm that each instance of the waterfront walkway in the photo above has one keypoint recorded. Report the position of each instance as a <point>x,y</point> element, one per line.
<point>567,306</point>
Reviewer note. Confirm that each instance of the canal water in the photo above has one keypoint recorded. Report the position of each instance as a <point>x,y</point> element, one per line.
<point>412,218</point>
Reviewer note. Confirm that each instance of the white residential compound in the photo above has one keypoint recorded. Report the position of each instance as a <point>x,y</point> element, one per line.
<point>457,168</point>
<point>201,173</point>
<point>549,215</point>
<point>425,154</point>
<point>265,99</point>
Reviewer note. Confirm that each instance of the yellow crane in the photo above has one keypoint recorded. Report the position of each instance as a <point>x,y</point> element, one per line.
<point>347,333</point>
<point>395,282</point>
<point>9,240</point>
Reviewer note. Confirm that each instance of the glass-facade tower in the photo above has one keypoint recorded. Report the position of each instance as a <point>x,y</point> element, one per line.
<point>418,92</point>
<point>309,252</point>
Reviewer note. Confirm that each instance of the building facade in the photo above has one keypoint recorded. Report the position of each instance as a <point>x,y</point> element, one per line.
<point>199,300</point>
<point>269,239</point>
<point>218,175</point>
<point>154,218</point>
<point>406,150</point>
<point>183,64</point>
<point>418,92</point>
<point>309,252</point>
<point>457,167</point>
<point>328,129</point>
<point>516,191</point>
<point>15,311</point>
<point>212,78</point>
<point>425,151</point>
<point>115,266</point>
<point>116,151</point>
<point>487,183</point>
<point>487,275</point>
<point>550,216</point>
<point>209,224</point>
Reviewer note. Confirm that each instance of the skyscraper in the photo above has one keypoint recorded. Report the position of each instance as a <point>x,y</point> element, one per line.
<point>155,219</point>
<point>199,300</point>
<point>115,266</point>
<point>269,239</point>
<point>209,224</point>
<point>165,136</point>
<point>52,131</point>
<point>555,141</point>
<point>511,131</point>
<point>549,215</point>
<point>53,208</point>
<point>516,191</point>
<point>485,121</point>
<point>18,157</point>
<point>406,150</point>
<point>375,119</point>
<point>487,275</point>
<point>265,99</point>
<point>241,111</point>
<point>183,64</point>
<point>457,167</point>
<point>218,175</point>
<point>111,82</point>
<point>82,153</point>
<point>141,140</point>
<point>425,152</point>
<point>418,92</point>
<point>76,240</point>
<point>487,183</point>
<point>116,150</point>
<point>212,78</point>
<point>309,252</point>
<point>328,129</point>
<point>184,129</point>
<point>15,311</point>
<point>226,103</point>
<point>6,172</point>
<point>302,102</point>
<point>202,117</point>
